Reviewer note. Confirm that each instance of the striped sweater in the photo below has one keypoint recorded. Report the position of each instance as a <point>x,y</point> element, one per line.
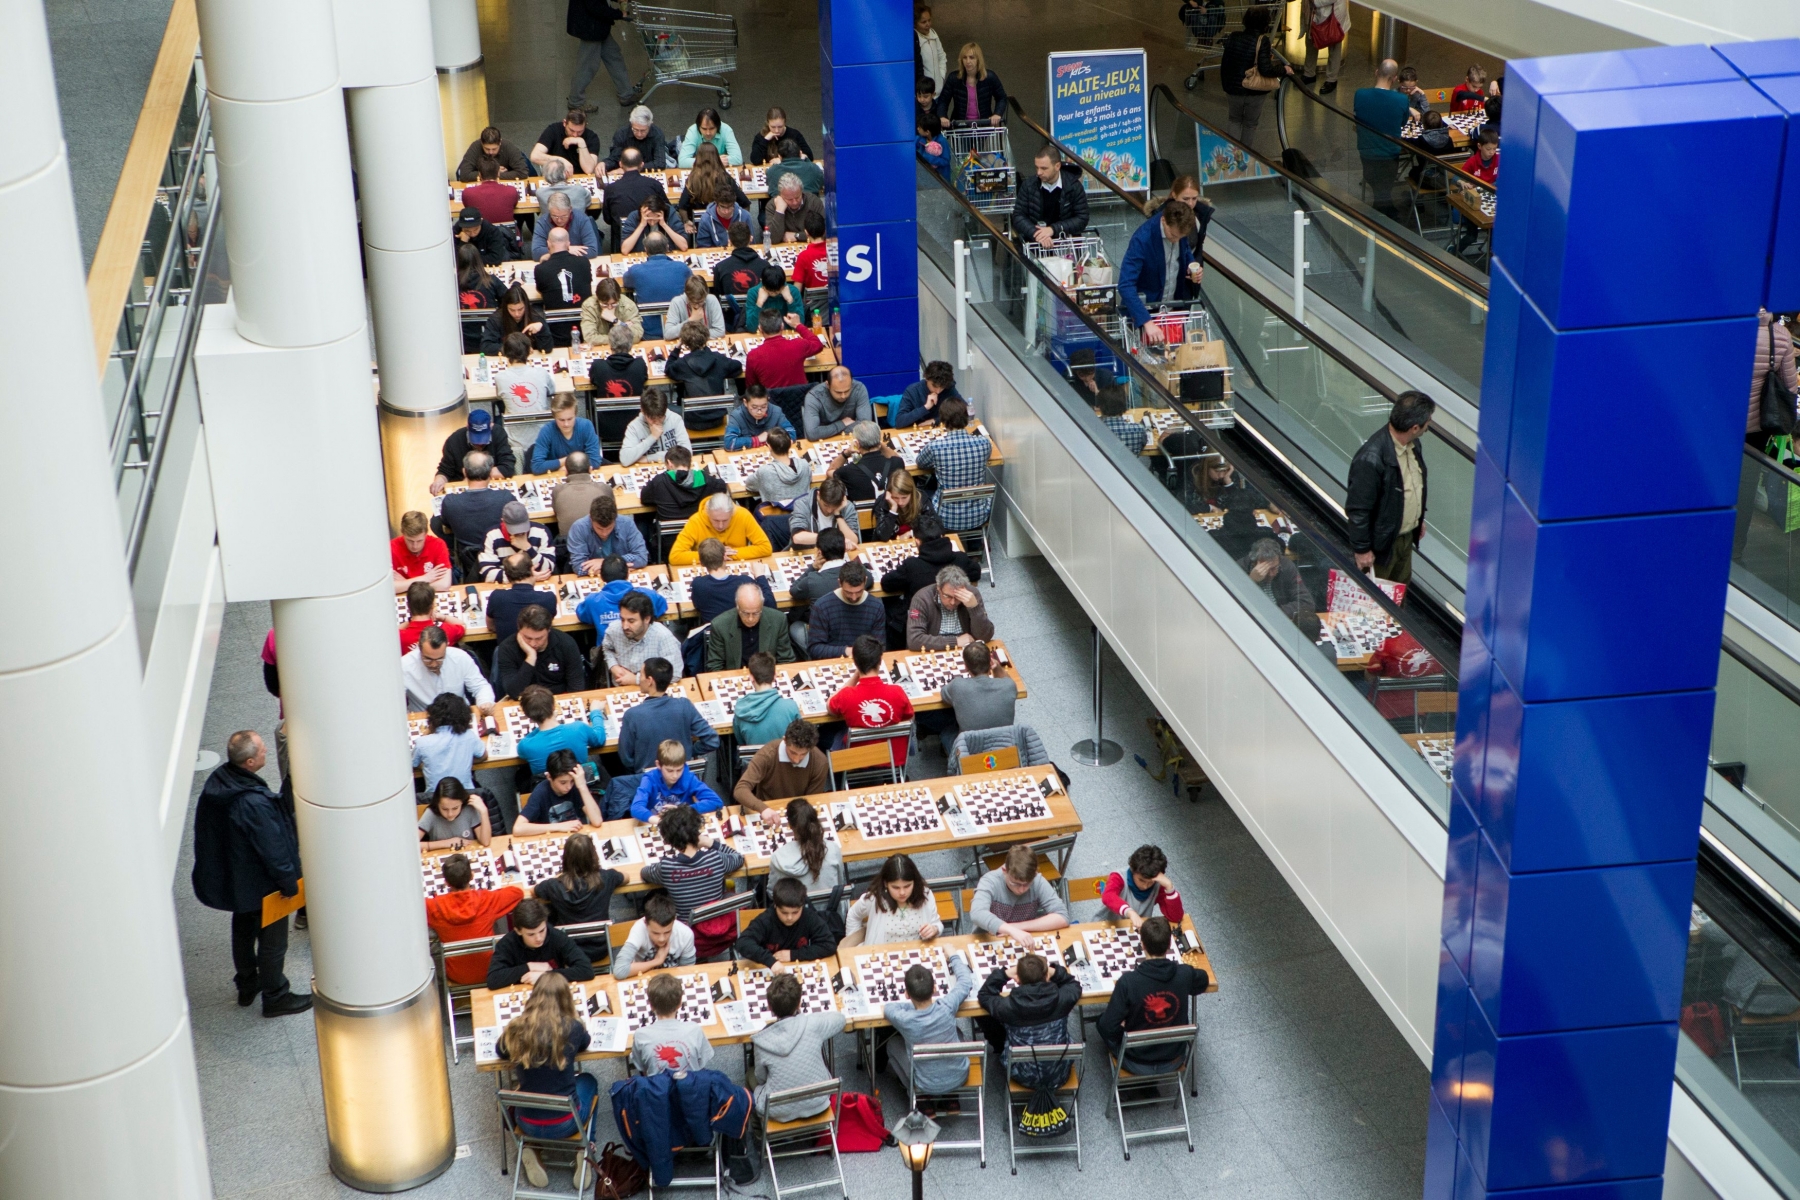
<point>694,879</point>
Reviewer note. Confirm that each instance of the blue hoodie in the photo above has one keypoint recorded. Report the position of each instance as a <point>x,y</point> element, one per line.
<point>653,794</point>
<point>602,608</point>
<point>742,429</point>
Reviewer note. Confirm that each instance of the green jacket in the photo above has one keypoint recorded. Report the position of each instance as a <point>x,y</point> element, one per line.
<point>725,648</point>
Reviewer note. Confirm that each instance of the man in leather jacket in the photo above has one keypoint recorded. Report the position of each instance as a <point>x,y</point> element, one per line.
<point>1385,504</point>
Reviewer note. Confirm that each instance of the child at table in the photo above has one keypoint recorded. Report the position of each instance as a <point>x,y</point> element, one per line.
<point>789,930</point>
<point>465,913</point>
<point>790,1053</point>
<point>898,907</point>
<point>582,893</point>
<point>658,940</point>
<point>764,714</point>
<point>695,874</point>
<point>449,751</point>
<point>523,386</point>
<point>1143,889</point>
<point>453,818</point>
<point>542,1043</point>
<point>669,1043</point>
<point>553,733</point>
<point>672,785</point>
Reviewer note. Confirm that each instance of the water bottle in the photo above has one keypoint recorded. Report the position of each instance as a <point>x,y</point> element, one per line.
<point>481,368</point>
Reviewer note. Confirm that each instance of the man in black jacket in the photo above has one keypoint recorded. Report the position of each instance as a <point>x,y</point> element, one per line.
<point>474,228</point>
<point>484,432</point>
<point>591,22</point>
<point>1277,575</point>
<point>698,371</point>
<point>740,270</point>
<point>920,572</point>
<point>1152,995</point>
<point>1035,1013</point>
<point>1052,203</point>
<point>507,604</point>
<point>244,848</point>
<point>535,947</point>
<point>1385,504</point>
<point>536,653</point>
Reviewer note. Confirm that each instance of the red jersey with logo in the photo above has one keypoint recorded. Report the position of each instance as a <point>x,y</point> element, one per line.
<point>411,566</point>
<point>874,703</point>
<point>812,267</point>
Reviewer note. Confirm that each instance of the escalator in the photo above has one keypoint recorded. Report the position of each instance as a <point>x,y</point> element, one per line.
<point>1297,408</point>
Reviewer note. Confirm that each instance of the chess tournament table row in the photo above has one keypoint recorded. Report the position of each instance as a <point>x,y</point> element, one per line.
<point>626,844</point>
<point>570,374</point>
<point>465,604</point>
<point>510,719</point>
<point>701,261</point>
<point>738,466</point>
<point>1159,421</point>
<point>752,181</point>
<point>979,948</point>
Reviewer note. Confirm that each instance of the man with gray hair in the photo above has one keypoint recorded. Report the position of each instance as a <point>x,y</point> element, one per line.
<point>245,848</point>
<point>865,473</point>
<point>469,514</point>
<point>590,22</point>
<point>785,213</point>
<point>947,615</point>
<point>835,406</point>
<point>556,179</point>
<point>560,213</point>
<point>641,133</point>
<point>1278,577</point>
<point>745,628</point>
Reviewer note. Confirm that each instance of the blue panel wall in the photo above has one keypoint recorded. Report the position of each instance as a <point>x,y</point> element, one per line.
<point>1612,411</point>
<point>866,60</point>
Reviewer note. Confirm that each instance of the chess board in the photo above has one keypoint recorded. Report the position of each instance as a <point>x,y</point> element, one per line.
<point>569,709</point>
<point>1487,202</point>
<point>537,858</point>
<point>785,569</point>
<point>1005,953</point>
<point>1357,634</point>
<point>635,477</point>
<point>883,557</point>
<point>931,670</point>
<point>452,604</point>
<point>1440,753</point>
<point>829,676</point>
<point>740,465</point>
<point>755,837</point>
<point>619,703</point>
<point>895,812</point>
<point>485,873</point>
<point>416,728</point>
<point>1116,950</point>
<point>882,974</point>
<point>910,441</point>
<point>1468,123</point>
<point>696,1001</point>
<point>729,689</point>
<point>650,838</point>
<point>815,990</point>
<point>1006,801</point>
<point>508,1005</point>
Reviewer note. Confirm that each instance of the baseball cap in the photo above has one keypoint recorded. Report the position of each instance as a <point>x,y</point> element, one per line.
<point>514,519</point>
<point>481,427</point>
<point>470,217</point>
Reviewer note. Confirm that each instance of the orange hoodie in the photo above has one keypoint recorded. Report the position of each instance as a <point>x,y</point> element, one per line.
<point>470,913</point>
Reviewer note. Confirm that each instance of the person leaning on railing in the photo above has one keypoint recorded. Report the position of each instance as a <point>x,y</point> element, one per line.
<point>1052,202</point>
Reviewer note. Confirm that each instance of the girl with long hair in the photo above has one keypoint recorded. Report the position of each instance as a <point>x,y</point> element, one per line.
<point>898,907</point>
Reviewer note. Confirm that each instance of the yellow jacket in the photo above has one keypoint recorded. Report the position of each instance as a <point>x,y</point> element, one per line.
<point>744,534</point>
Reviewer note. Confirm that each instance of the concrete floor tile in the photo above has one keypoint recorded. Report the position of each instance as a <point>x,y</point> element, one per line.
<point>236,1093</point>
<point>1310,1128</point>
<point>262,1154</point>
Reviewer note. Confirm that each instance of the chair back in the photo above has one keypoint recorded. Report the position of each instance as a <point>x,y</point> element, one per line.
<point>1168,1035</point>
<point>729,903</point>
<point>1088,887</point>
<point>826,1088</point>
<point>564,323</point>
<point>666,533</point>
<point>652,316</point>
<point>930,1051</point>
<point>1003,759</point>
<point>951,886</point>
<point>596,930</point>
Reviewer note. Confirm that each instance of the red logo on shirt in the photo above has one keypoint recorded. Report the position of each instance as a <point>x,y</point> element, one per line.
<point>521,392</point>
<point>1159,1007</point>
<point>669,1056</point>
<point>617,387</point>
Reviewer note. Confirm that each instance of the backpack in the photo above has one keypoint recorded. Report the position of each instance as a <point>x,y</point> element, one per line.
<point>1044,1115</point>
<point>860,1129</point>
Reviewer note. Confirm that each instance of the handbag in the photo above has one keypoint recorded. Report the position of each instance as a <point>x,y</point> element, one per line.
<point>859,1126</point>
<point>617,1174</point>
<point>1775,407</point>
<point>1328,32</point>
<point>1255,80</point>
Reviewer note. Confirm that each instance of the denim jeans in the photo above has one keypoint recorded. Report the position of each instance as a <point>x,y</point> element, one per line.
<point>587,65</point>
<point>587,1091</point>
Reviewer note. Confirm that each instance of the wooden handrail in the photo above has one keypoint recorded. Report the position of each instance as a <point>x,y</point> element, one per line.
<point>116,258</point>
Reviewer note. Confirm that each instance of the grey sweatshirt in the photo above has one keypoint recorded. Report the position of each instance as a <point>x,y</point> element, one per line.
<point>638,444</point>
<point>820,410</point>
<point>786,863</point>
<point>995,905</point>
<point>982,703</point>
<point>789,1055</point>
<point>666,1045</point>
<point>930,1026</point>
<point>776,481</point>
<point>637,946</point>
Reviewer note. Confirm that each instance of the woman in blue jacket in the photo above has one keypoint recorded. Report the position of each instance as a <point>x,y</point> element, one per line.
<point>1143,276</point>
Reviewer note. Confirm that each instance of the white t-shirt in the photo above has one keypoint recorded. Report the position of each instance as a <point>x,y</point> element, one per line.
<point>525,390</point>
<point>637,947</point>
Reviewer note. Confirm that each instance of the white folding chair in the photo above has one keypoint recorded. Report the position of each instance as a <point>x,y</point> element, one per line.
<point>799,1138</point>
<point>575,1145</point>
<point>1018,1095</point>
<point>453,992</point>
<point>1144,1087</point>
<point>895,769</point>
<point>973,1087</point>
<point>980,491</point>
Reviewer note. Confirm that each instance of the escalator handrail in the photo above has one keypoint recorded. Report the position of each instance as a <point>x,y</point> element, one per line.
<point>1340,557</point>
<point>1070,156</point>
<point>1771,465</point>
<point>1335,204</point>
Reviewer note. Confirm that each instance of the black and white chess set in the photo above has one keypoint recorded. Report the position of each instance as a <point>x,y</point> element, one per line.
<point>882,973</point>
<point>906,811</point>
<point>753,837</point>
<point>459,605</point>
<point>817,995</point>
<point>1357,634</point>
<point>698,995</point>
<point>1440,753</point>
<point>1006,800</point>
<point>1105,954</point>
<point>484,872</point>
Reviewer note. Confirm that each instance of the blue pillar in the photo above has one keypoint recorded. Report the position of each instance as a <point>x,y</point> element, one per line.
<point>1637,236</point>
<point>866,62</point>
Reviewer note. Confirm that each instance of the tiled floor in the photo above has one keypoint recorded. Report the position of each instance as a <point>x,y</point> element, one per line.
<point>1305,1090</point>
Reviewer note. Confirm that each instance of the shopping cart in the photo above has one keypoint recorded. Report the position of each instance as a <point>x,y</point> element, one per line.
<point>1207,23</point>
<point>694,49</point>
<point>981,166</point>
<point>1191,363</point>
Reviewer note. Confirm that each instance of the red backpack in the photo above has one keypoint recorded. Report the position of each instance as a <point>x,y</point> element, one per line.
<point>860,1129</point>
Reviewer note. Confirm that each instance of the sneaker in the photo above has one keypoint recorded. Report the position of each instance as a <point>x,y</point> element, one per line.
<point>1328,88</point>
<point>534,1170</point>
<point>300,920</point>
<point>288,1005</point>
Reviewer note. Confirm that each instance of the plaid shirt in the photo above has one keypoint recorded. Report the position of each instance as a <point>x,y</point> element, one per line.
<point>1129,432</point>
<point>959,459</point>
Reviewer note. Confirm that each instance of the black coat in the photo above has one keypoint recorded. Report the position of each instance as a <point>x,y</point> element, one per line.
<point>953,100</point>
<point>491,242</point>
<point>703,373</point>
<point>1028,209</point>
<point>559,667</point>
<point>806,939</point>
<point>1376,498</point>
<point>915,575</point>
<point>591,20</point>
<point>244,842</point>
<point>1290,592</point>
<point>1152,995</point>
<point>1031,1011</point>
<point>762,150</point>
<point>456,446</point>
<point>654,146</point>
<point>512,958</point>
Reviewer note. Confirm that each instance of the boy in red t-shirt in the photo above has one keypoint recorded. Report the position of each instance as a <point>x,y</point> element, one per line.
<point>466,912</point>
<point>872,702</point>
<point>418,554</point>
<point>421,599</point>
<point>1484,164</point>
<point>812,269</point>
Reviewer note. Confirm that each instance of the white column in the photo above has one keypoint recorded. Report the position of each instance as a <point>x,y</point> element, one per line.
<point>284,375</point>
<point>455,34</point>
<point>83,1056</point>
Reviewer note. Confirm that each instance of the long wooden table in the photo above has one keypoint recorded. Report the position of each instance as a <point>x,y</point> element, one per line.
<point>752,181</point>
<point>569,371</point>
<point>714,694</point>
<point>700,261</point>
<point>486,1022</point>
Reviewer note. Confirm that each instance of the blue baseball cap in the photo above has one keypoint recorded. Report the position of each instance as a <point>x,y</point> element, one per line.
<point>481,427</point>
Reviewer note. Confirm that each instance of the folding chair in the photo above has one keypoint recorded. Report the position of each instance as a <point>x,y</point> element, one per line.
<point>666,533</point>
<point>1017,1095</point>
<point>693,1182</point>
<point>973,1087</point>
<point>800,1138</point>
<point>652,315</point>
<point>731,902</point>
<point>590,934</point>
<point>1003,759</point>
<point>704,417</point>
<point>1145,1086</point>
<point>1084,888</point>
<point>741,760</point>
<point>453,992</point>
<point>575,1146</point>
<point>863,762</point>
<point>979,534</point>
<point>563,323</point>
<point>887,734</point>
<point>611,416</point>
<point>1777,1032</point>
<point>948,890</point>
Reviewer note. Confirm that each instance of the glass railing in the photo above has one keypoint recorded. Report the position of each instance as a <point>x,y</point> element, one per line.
<point>1427,200</point>
<point>1400,287</point>
<point>1765,553</point>
<point>1282,554</point>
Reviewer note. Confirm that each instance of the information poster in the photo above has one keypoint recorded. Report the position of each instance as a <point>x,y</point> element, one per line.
<point>1222,162</point>
<point>1099,108</point>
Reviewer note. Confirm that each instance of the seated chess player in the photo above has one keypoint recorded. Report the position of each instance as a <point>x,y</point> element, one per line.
<point>786,767</point>
<point>577,227</point>
<point>1015,901</point>
<point>566,432</point>
<point>898,907</point>
<point>465,913</point>
<point>470,513</point>
<point>574,497</point>
<point>1143,889</point>
<point>870,701</point>
<point>948,615</point>
<point>504,604</point>
<point>843,617</point>
<point>434,667</point>
<point>600,609</point>
<point>450,746</point>
<point>676,493</point>
<point>821,577</point>
<point>454,816</point>
<point>535,947</point>
<point>918,403</point>
<point>1152,995</point>
<point>749,423</point>
<point>561,802</point>
<point>789,930</point>
<point>517,533</point>
<point>986,699</point>
<point>635,638</point>
<point>553,733</point>
<point>673,786</point>
<point>538,654</point>
<point>761,714</point>
<point>659,718</point>
<point>827,507</point>
<point>866,472</point>
<point>745,628</point>
<point>489,144</point>
<point>421,603</point>
<point>658,940</point>
<point>601,534</point>
<point>958,459</point>
<point>737,530</point>
<point>476,435</point>
<point>418,554</point>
